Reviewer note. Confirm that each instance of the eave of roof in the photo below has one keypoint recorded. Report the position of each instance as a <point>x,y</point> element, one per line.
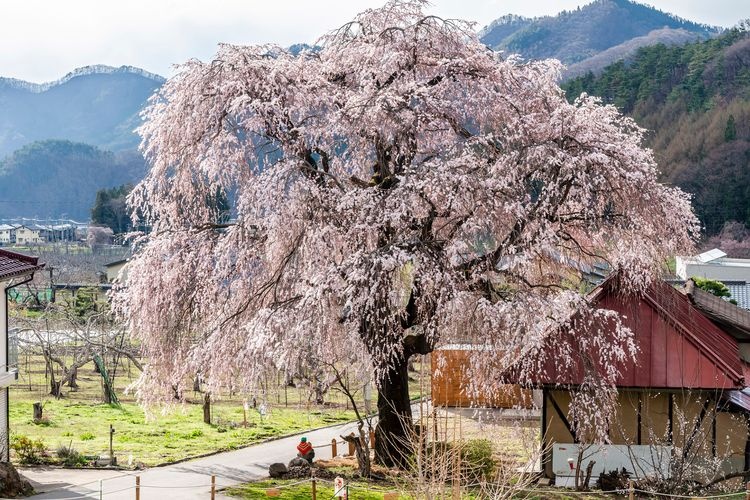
<point>14,264</point>
<point>733,319</point>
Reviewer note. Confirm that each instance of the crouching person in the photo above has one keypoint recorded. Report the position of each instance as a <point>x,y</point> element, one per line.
<point>305,450</point>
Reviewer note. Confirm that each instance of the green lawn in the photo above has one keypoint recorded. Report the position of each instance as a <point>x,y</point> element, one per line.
<point>357,490</point>
<point>176,436</point>
<point>80,419</point>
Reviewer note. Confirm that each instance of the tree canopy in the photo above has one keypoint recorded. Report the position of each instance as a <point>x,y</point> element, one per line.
<point>401,188</point>
<point>110,208</point>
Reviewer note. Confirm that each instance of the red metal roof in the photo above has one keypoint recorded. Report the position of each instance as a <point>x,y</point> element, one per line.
<point>14,264</point>
<point>678,347</point>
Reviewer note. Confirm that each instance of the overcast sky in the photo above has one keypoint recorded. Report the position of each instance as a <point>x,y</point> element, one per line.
<point>42,40</point>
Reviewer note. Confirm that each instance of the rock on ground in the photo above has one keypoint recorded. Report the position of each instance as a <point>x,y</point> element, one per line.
<point>277,470</point>
<point>12,485</point>
<point>298,462</point>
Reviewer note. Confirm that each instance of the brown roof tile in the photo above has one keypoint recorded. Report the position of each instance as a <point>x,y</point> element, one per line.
<point>14,264</point>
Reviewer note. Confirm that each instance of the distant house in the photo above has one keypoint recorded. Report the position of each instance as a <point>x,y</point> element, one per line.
<point>31,235</point>
<point>15,269</point>
<point>8,234</point>
<point>35,234</point>
<point>715,265</point>
<point>117,271</point>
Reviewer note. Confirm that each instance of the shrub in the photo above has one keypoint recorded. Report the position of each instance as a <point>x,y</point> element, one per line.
<point>87,436</point>
<point>476,459</point>
<point>29,451</point>
<point>196,433</point>
<point>613,480</point>
<point>70,457</point>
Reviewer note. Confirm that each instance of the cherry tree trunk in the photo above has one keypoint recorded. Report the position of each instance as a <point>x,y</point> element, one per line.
<point>73,378</point>
<point>393,441</point>
<point>55,388</point>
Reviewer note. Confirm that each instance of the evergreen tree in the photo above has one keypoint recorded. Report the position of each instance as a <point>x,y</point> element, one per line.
<point>110,208</point>
<point>730,131</point>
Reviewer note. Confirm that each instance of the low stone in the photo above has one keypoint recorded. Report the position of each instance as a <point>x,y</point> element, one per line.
<point>12,485</point>
<point>297,472</point>
<point>299,462</point>
<point>277,470</point>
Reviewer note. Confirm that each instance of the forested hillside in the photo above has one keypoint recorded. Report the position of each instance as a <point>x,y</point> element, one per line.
<point>695,100</point>
<point>575,35</point>
<point>61,178</point>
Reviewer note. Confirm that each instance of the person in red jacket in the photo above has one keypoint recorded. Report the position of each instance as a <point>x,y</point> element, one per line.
<point>305,450</point>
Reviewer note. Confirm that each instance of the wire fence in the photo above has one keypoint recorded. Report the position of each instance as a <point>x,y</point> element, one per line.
<point>345,488</point>
<point>342,487</point>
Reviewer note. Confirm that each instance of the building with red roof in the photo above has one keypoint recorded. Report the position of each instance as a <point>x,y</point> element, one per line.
<point>15,269</point>
<point>683,402</point>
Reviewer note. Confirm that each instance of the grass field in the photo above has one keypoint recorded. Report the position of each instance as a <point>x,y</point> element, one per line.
<point>290,491</point>
<point>360,490</point>
<point>82,421</point>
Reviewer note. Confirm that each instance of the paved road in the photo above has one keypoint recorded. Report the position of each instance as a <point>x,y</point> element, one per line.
<point>187,480</point>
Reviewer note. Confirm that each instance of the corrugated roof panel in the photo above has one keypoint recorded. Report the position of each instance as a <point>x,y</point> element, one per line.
<point>711,255</point>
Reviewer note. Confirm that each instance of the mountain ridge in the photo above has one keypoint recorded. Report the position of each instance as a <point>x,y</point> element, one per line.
<point>98,105</point>
<point>573,36</point>
<point>93,69</point>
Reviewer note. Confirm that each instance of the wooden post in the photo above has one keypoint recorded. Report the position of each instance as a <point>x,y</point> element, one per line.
<point>351,448</point>
<point>372,439</point>
<point>37,408</point>
<point>137,487</point>
<point>631,495</point>
<point>213,487</point>
<point>747,491</point>
<point>207,408</point>
<point>434,424</point>
<point>333,448</point>
<point>314,490</point>
<point>112,460</point>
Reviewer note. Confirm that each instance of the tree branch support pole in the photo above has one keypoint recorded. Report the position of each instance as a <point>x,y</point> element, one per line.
<point>112,460</point>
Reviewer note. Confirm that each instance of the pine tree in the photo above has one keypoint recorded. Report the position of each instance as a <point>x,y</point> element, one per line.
<point>730,131</point>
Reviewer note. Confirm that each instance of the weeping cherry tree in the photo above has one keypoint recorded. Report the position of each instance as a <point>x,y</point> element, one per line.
<point>402,187</point>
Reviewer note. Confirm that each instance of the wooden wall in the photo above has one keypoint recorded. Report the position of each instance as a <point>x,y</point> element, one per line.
<point>450,377</point>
